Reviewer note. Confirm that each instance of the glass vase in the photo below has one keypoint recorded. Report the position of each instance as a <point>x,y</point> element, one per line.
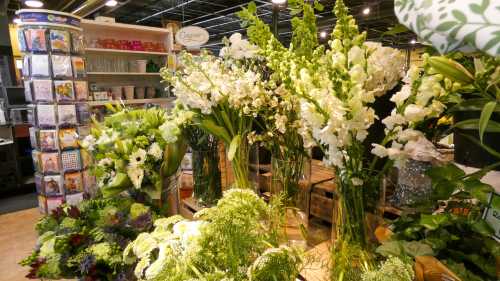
<point>413,184</point>
<point>350,224</point>
<point>239,165</point>
<point>207,186</point>
<point>291,179</point>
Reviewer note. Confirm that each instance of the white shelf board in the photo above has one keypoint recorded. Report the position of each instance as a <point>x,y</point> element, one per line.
<point>100,50</point>
<point>123,27</point>
<point>135,101</point>
<point>125,73</point>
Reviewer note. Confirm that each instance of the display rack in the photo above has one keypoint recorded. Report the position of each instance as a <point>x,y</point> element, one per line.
<point>55,83</point>
<point>112,52</point>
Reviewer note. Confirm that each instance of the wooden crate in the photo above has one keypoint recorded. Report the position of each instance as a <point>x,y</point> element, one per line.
<point>323,200</point>
<point>189,207</point>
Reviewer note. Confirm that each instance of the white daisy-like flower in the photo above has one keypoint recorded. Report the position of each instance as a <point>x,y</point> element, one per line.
<point>138,157</point>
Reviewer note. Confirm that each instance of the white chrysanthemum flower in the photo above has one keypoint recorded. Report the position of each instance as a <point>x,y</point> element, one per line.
<point>138,157</point>
<point>155,151</point>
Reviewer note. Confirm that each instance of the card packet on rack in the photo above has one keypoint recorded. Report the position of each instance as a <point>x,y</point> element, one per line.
<point>38,184</point>
<point>61,66</point>
<point>64,90</point>
<point>33,137</point>
<point>42,204</point>
<point>50,162</point>
<point>54,203</point>
<point>48,140</point>
<point>68,138</point>
<point>81,90</point>
<point>73,183</point>
<point>35,39</point>
<point>40,66</point>
<point>67,114</point>
<point>74,199</point>
<point>46,115</point>
<point>22,40</point>
<point>77,42</point>
<point>59,40</point>
<point>37,162</point>
<point>52,185</point>
<point>83,113</point>
<point>27,91</point>
<point>42,90</point>
<point>71,160</point>
<point>78,67</point>
<point>26,66</point>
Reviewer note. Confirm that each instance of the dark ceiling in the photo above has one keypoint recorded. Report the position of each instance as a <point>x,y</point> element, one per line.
<point>219,16</point>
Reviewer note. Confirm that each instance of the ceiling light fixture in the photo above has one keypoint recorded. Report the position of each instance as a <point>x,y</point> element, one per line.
<point>322,34</point>
<point>33,3</point>
<point>413,41</point>
<point>111,3</point>
<point>16,21</point>
<point>278,2</point>
<point>366,11</point>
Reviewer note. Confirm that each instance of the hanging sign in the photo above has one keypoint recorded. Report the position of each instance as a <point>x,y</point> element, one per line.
<point>192,36</point>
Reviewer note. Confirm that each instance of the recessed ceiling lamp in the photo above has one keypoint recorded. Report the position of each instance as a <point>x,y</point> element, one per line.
<point>33,3</point>
<point>322,34</point>
<point>366,11</point>
<point>278,2</point>
<point>413,41</point>
<point>16,20</point>
<point>111,3</point>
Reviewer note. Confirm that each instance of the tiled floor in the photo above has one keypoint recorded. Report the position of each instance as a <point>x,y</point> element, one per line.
<point>17,239</point>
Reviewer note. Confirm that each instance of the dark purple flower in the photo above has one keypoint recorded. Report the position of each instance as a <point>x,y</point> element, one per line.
<point>73,212</point>
<point>88,264</point>
<point>35,266</point>
<point>76,239</point>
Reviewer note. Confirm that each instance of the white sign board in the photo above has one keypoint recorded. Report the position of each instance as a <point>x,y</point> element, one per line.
<point>192,36</point>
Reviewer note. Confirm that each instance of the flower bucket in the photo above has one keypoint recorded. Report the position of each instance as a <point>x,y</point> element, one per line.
<point>139,92</point>
<point>117,92</point>
<point>129,92</point>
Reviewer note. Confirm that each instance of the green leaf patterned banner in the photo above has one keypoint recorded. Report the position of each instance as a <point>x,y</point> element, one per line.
<point>448,25</point>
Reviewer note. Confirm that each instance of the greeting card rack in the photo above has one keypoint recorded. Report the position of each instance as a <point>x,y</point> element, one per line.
<point>55,84</point>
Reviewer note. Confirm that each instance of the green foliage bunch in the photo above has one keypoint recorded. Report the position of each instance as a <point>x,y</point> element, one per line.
<point>235,240</point>
<point>87,241</point>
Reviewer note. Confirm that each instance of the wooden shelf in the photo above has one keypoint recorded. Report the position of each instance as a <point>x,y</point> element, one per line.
<point>116,51</point>
<point>135,101</point>
<point>106,26</point>
<point>124,73</point>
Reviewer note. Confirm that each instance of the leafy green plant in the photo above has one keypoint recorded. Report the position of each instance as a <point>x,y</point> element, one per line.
<point>87,241</point>
<point>457,233</point>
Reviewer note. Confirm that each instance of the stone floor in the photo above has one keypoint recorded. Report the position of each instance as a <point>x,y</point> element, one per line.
<point>17,239</point>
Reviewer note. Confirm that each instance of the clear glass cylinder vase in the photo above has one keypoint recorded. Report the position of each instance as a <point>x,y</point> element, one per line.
<point>292,180</point>
<point>207,187</point>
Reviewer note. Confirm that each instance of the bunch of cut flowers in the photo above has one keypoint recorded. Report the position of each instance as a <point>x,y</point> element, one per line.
<point>87,241</point>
